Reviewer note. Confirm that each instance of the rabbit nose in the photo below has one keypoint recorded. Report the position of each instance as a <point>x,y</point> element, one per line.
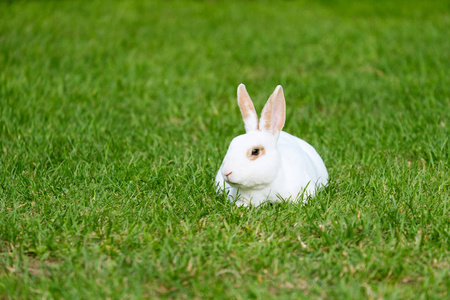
<point>226,175</point>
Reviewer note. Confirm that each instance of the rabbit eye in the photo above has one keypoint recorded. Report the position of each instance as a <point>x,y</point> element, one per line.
<point>255,153</point>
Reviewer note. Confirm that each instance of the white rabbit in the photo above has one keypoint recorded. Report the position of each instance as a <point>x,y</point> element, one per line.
<point>265,163</point>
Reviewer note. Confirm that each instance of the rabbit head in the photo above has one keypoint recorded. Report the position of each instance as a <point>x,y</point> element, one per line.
<point>252,159</point>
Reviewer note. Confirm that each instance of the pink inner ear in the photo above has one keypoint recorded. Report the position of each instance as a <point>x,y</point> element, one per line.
<point>266,117</point>
<point>249,114</point>
<point>274,112</point>
<point>278,114</point>
<point>247,109</point>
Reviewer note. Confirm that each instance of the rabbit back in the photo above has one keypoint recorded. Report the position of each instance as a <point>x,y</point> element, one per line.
<point>302,167</point>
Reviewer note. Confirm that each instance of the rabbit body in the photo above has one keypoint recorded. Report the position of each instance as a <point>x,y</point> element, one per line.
<point>267,164</point>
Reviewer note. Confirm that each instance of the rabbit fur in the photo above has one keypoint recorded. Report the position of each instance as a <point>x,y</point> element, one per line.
<point>265,163</point>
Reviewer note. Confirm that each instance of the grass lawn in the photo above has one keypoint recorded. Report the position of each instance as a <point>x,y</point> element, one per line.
<point>115,116</point>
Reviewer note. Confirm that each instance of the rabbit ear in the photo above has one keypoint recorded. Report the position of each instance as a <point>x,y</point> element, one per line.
<point>247,109</point>
<point>274,113</point>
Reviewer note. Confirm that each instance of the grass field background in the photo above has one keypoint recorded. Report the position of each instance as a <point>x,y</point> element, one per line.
<point>116,115</point>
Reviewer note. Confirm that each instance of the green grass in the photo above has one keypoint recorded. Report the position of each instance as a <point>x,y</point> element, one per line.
<point>114,118</point>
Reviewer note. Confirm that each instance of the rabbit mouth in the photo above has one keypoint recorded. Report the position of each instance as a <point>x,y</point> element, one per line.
<point>232,183</point>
